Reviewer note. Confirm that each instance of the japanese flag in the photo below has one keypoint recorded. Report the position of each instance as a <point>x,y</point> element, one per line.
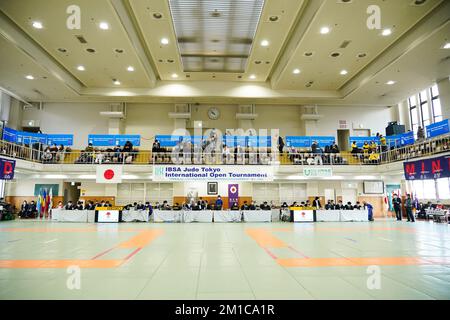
<point>109,174</point>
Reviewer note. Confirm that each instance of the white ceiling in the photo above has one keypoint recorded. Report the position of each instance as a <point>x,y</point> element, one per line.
<point>411,56</point>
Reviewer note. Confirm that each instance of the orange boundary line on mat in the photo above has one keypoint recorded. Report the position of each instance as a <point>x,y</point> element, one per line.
<point>138,242</point>
<point>267,240</point>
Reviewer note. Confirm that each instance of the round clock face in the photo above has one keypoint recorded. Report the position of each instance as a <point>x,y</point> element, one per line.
<point>213,113</point>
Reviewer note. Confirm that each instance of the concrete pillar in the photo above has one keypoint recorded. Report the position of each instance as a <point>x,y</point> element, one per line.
<point>403,114</point>
<point>115,126</point>
<point>310,127</point>
<point>245,124</point>
<point>444,96</point>
<point>179,124</point>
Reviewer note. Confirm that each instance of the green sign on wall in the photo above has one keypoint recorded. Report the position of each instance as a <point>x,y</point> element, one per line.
<point>38,187</point>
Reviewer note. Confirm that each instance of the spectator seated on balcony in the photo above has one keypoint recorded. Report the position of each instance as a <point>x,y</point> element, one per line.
<point>355,149</point>
<point>47,156</point>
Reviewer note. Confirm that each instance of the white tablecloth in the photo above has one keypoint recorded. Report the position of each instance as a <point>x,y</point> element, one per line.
<point>132,215</point>
<point>328,215</point>
<point>257,216</point>
<point>167,216</point>
<point>91,216</point>
<point>227,216</point>
<point>197,216</point>
<point>62,215</point>
<point>275,215</point>
<point>354,215</point>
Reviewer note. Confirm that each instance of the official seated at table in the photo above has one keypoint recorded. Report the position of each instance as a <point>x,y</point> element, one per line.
<point>176,207</point>
<point>186,206</point>
<point>32,209</point>
<point>348,206</point>
<point>234,206</point>
<point>244,206</point>
<point>69,206</point>
<point>60,205</point>
<point>107,204</point>
<point>90,205</point>
<point>165,205</point>
<point>252,206</point>
<point>284,205</point>
<point>140,206</point>
<point>329,205</point>
<point>79,206</point>
<point>265,206</point>
<point>357,206</point>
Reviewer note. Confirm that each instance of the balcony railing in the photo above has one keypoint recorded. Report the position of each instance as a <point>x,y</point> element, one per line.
<point>420,149</point>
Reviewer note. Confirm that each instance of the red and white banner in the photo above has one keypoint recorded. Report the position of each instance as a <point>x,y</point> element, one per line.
<point>109,174</point>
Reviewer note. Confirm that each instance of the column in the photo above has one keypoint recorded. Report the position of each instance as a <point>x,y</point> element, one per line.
<point>444,96</point>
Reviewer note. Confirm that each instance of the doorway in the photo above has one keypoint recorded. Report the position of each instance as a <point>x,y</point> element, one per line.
<point>72,191</point>
<point>343,136</point>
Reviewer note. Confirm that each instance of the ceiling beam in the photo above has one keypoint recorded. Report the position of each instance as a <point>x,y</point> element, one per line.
<point>129,23</point>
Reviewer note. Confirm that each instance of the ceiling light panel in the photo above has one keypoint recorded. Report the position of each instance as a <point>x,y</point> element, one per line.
<point>101,65</point>
<point>215,36</point>
<point>348,36</point>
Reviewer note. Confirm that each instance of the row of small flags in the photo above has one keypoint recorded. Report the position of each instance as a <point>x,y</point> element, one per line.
<point>44,203</point>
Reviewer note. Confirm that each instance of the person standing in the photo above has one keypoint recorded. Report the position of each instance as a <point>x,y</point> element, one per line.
<point>219,203</point>
<point>369,208</point>
<point>409,206</point>
<point>397,203</point>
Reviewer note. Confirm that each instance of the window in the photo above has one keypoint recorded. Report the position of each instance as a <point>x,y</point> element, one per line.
<point>436,104</point>
<point>424,111</point>
<point>412,101</point>
<point>429,189</point>
<point>443,186</point>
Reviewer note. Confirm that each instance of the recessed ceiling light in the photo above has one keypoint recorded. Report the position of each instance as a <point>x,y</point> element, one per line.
<point>164,41</point>
<point>325,30</point>
<point>386,32</point>
<point>29,77</point>
<point>390,82</point>
<point>37,25</point>
<point>296,71</point>
<point>104,25</point>
<point>81,68</point>
<point>252,76</point>
<point>116,82</point>
<point>130,68</point>
<point>264,43</point>
<point>174,75</point>
<point>157,15</point>
<point>344,72</point>
<point>446,46</point>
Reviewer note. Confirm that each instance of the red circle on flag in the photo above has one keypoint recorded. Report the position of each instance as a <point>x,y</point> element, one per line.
<point>108,174</point>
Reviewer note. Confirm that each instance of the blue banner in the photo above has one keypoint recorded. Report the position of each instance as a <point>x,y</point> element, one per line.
<point>264,141</point>
<point>30,138</point>
<point>427,169</point>
<point>121,139</point>
<point>323,141</point>
<point>360,140</point>
<point>168,140</point>
<point>60,139</point>
<point>10,135</point>
<point>112,140</point>
<point>230,141</point>
<point>401,140</point>
<point>298,142</point>
<point>7,169</point>
<point>438,128</point>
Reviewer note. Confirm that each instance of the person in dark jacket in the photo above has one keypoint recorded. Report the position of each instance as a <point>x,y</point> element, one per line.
<point>32,210</point>
<point>234,206</point>
<point>24,209</point>
<point>409,207</point>
<point>316,203</point>
<point>397,203</point>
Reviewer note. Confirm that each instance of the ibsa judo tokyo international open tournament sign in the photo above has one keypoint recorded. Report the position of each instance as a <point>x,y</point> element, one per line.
<point>215,173</point>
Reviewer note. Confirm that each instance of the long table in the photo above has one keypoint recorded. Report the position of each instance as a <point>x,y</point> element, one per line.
<point>342,215</point>
<point>227,216</point>
<point>62,215</point>
<point>258,216</point>
<point>135,215</point>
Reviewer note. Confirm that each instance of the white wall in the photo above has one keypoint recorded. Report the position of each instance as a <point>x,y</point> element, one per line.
<point>25,187</point>
<point>148,120</point>
<point>79,119</point>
